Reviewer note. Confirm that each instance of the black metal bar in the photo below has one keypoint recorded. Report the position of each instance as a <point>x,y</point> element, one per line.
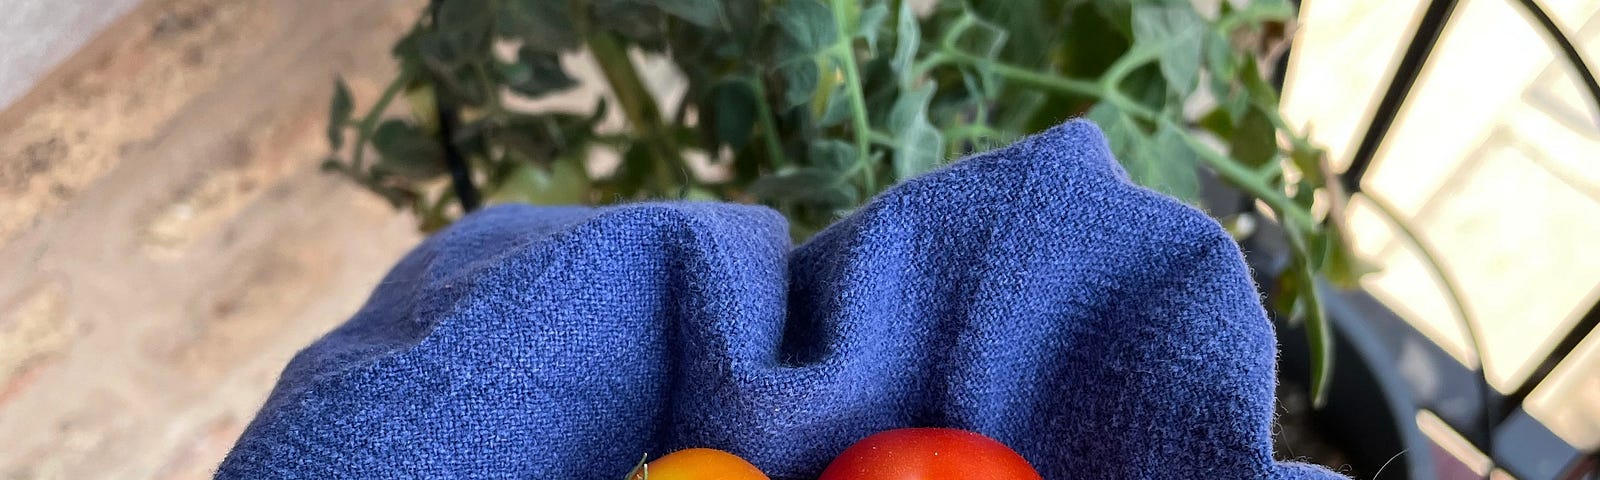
<point>1590,321</point>
<point>449,120</point>
<point>1586,326</point>
<point>1405,76</point>
<point>1568,50</point>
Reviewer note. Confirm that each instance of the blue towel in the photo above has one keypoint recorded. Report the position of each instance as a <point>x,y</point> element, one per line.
<point>1030,293</point>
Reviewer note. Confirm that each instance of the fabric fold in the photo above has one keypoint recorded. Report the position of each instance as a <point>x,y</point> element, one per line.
<point>1030,293</point>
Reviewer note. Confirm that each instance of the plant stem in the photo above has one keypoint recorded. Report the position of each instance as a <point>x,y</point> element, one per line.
<point>369,122</point>
<point>637,105</point>
<point>1247,180</point>
<point>1319,334</point>
<point>845,55</point>
<point>1135,58</point>
<point>769,127</point>
<point>1027,77</point>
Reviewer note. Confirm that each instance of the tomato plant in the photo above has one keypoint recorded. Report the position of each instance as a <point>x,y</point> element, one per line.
<point>698,464</point>
<point>929,454</point>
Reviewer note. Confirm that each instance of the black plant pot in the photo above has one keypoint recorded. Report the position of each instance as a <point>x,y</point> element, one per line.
<point>1370,414</point>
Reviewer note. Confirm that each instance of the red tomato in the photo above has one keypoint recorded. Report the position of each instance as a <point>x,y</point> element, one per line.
<point>929,454</point>
<point>699,464</point>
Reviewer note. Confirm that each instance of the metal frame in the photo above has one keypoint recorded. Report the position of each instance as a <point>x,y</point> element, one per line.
<point>1496,414</point>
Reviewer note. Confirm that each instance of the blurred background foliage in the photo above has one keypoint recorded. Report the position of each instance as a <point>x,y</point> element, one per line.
<point>813,107</point>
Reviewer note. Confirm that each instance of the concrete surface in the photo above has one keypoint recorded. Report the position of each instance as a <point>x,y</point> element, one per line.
<point>166,238</point>
<point>38,34</point>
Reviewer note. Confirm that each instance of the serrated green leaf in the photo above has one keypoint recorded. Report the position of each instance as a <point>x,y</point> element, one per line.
<point>809,186</point>
<point>808,24</point>
<point>704,13</point>
<point>734,105</point>
<point>1167,165</point>
<point>800,82</point>
<point>975,35</point>
<point>1120,134</point>
<point>339,113</point>
<point>406,151</point>
<point>870,22</point>
<point>542,25</point>
<point>831,155</point>
<point>1254,141</point>
<point>1176,30</point>
<point>908,37</point>
<point>837,109</point>
<point>918,146</point>
<point>534,74</point>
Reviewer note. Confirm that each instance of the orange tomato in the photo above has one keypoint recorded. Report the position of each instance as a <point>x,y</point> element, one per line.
<point>699,464</point>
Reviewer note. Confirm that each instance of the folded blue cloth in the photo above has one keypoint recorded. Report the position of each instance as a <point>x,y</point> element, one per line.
<point>1030,293</point>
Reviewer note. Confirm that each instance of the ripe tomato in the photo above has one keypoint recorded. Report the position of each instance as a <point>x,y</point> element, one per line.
<point>699,464</point>
<point>929,454</point>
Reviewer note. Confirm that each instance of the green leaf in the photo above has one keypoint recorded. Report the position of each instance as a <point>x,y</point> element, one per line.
<point>407,151</point>
<point>974,35</point>
<point>870,23</point>
<point>1220,59</point>
<point>464,17</point>
<point>734,105</point>
<point>908,37</point>
<point>534,74</point>
<point>705,13</point>
<point>808,24</point>
<point>460,35</point>
<point>1309,163</point>
<point>837,109</point>
<point>542,25</point>
<point>809,186</point>
<point>636,20</point>
<point>800,82</point>
<point>565,183</point>
<point>1121,135</point>
<point>339,113</point>
<point>1167,165</point>
<point>634,170</point>
<point>1218,122</point>
<point>1033,27</point>
<point>1176,30</point>
<point>918,146</point>
<point>1340,264</point>
<point>1254,141</point>
<point>831,154</point>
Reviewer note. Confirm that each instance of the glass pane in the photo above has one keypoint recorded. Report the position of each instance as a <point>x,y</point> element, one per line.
<point>1343,55</point>
<point>1568,402</point>
<point>1495,159</point>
